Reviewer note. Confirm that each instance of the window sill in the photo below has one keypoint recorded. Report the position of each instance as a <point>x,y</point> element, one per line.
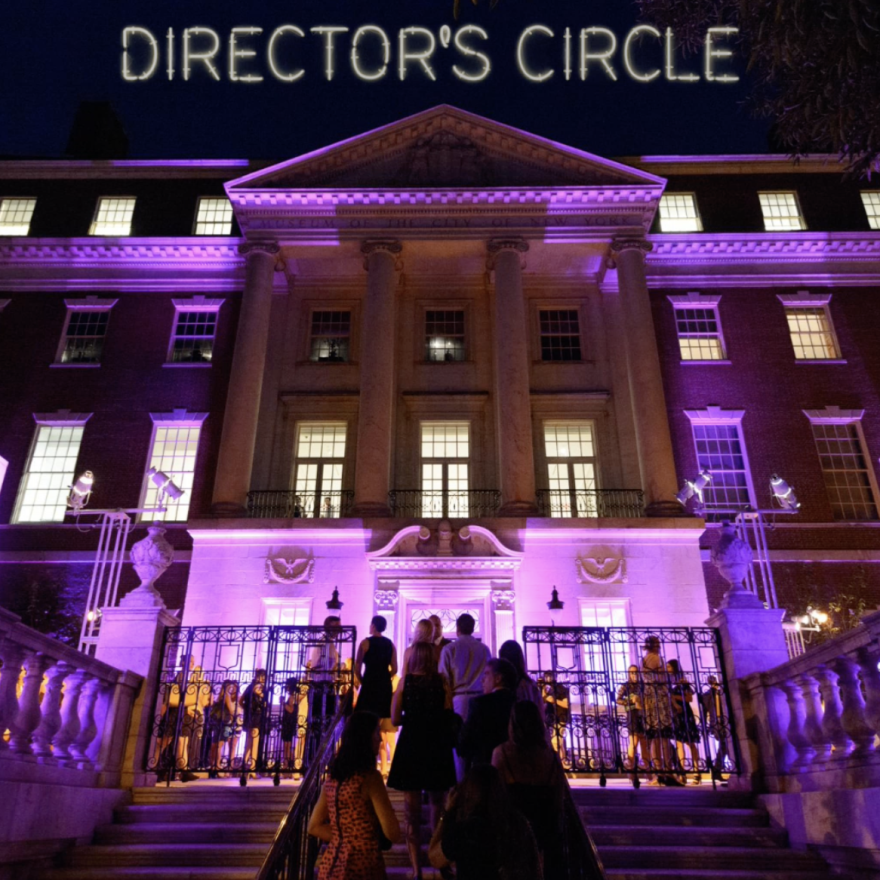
<point>74,366</point>
<point>441,363</point>
<point>184,365</point>
<point>708,363</point>
<point>311,363</point>
<point>820,361</point>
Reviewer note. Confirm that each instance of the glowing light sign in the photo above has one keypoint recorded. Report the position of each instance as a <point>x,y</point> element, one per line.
<point>592,53</point>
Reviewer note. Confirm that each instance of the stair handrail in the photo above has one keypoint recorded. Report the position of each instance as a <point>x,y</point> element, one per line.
<point>295,820</point>
<point>582,857</point>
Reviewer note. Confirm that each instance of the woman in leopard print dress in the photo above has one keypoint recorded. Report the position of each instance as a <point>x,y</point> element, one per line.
<point>354,808</point>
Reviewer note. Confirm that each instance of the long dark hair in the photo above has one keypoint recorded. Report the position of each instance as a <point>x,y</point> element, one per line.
<point>483,793</point>
<point>355,753</point>
<point>527,728</point>
<point>513,654</point>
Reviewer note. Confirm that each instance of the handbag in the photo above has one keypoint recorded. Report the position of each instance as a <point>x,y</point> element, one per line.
<point>436,856</point>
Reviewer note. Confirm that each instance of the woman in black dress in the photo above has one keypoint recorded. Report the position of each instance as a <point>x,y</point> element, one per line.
<point>423,759</point>
<point>376,663</point>
<point>684,724</point>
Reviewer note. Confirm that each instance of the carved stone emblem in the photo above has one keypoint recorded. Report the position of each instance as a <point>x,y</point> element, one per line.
<point>599,570</point>
<point>289,571</point>
<point>503,599</point>
<point>386,600</point>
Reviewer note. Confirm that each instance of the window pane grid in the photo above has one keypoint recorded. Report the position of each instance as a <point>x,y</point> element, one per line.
<point>445,483</point>
<point>194,337</point>
<point>445,440</point>
<point>560,335</point>
<point>174,453</point>
<point>84,338</point>
<point>214,216</point>
<point>113,216</point>
<point>678,213</point>
<point>15,216</point>
<point>320,450</point>
<point>49,474</point>
<point>331,332</point>
<point>845,468</point>
<point>811,334</point>
<point>720,451</point>
<point>781,211</point>
<point>699,338</point>
<point>571,469</point>
<point>871,201</point>
<point>444,335</point>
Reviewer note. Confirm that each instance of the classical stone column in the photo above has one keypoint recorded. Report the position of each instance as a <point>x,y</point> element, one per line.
<point>513,405</point>
<point>646,385</point>
<point>376,407</point>
<point>235,461</point>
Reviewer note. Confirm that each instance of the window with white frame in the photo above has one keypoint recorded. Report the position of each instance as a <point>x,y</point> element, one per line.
<point>113,216</point>
<point>195,326</point>
<point>85,328</point>
<point>607,613</point>
<point>698,327</point>
<point>721,451</point>
<point>445,453</point>
<point>330,336</point>
<point>49,473</point>
<point>571,468</point>
<point>849,480</point>
<point>782,211</point>
<point>678,213</point>
<point>810,327</point>
<point>444,335</point>
<point>560,335</point>
<point>15,216</point>
<point>871,201</point>
<point>317,475</point>
<point>173,451</point>
<point>213,216</point>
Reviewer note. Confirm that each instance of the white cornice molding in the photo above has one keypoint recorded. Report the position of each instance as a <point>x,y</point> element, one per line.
<point>834,415</point>
<point>90,304</point>
<point>804,299</point>
<point>62,418</point>
<point>198,304</point>
<point>180,418</point>
<point>715,415</point>
<point>693,298</point>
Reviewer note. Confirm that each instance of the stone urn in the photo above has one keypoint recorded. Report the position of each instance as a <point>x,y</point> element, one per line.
<point>732,557</point>
<point>150,557</point>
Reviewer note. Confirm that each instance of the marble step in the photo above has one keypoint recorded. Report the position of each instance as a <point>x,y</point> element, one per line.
<point>671,798</point>
<point>708,859</point>
<point>716,817</point>
<point>646,836</point>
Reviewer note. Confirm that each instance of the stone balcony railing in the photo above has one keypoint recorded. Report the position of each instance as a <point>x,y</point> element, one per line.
<point>815,720</point>
<point>60,710</point>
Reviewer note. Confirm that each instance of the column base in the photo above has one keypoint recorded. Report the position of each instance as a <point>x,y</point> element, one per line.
<point>228,509</point>
<point>365,509</point>
<point>518,508</point>
<point>665,509</point>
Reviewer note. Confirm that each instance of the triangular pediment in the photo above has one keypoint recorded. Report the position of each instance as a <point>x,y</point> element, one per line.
<point>445,148</point>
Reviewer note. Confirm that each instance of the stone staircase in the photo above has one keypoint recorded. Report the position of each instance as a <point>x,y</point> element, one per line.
<point>223,833</point>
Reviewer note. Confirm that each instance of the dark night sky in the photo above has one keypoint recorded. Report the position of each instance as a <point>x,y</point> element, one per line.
<point>53,55</point>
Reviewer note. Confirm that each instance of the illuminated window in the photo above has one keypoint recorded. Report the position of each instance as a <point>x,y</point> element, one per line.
<point>571,468</point>
<point>720,451</point>
<point>560,335</point>
<point>84,332</point>
<point>849,481</point>
<point>317,476</point>
<point>173,451</point>
<point>331,333</point>
<point>49,474</point>
<point>195,325</point>
<point>445,450</point>
<point>444,335</point>
<point>113,216</point>
<point>871,201</point>
<point>15,216</point>
<point>699,331</point>
<point>811,333</point>
<point>213,216</point>
<point>607,613</point>
<point>678,213</point>
<point>781,211</point>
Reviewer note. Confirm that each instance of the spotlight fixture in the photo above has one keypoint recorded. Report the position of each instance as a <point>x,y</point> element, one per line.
<point>694,489</point>
<point>783,493</point>
<point>555,603</point>
<point>164,484</point>
<point>81,491</point>
<point>813,619</point>
<point>333,603</point>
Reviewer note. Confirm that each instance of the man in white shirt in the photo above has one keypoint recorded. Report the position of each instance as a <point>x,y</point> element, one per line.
<point>463,662</point>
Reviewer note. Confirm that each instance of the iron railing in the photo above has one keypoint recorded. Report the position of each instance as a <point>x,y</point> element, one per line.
<point>580,856</point>
<point>247,699</point>
<point>468,503</point>
<point>614,712</point>
<point>288,504</point>
<point>603,503</point>
<point>294,852</point>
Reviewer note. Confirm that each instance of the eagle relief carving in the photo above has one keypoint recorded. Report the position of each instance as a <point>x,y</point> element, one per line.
<point>601,570</point>
<point>289,571</point>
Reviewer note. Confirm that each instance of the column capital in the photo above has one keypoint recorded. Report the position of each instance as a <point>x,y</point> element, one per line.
<point>271,248</point>
<point>497,246</point>
<point>390,246</point>
<point>630,243</point>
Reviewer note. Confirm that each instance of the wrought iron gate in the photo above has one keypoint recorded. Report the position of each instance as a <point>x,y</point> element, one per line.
<point>246,699</point>
<point>616,707</point>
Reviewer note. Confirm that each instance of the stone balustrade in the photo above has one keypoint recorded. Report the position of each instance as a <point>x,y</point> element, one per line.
<point>814,722</point>
<point>62,713</point>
